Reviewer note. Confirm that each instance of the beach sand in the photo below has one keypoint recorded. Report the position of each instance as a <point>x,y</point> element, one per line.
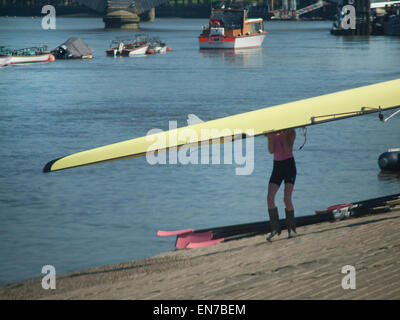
<point>306,267</point>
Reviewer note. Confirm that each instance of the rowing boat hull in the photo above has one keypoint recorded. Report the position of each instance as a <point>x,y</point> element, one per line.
<point>329,107</point>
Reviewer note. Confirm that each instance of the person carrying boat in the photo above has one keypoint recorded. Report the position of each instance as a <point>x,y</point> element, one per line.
<point>280,144</point>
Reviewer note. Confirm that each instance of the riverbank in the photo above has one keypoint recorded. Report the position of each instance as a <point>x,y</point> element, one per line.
<point>306,267</point>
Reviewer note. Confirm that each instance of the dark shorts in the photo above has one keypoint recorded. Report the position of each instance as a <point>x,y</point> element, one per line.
<point>284,170</point>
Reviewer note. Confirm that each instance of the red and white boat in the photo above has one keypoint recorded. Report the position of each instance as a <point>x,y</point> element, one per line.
<point>135,49</point>
<point>129,48</point>
<point>230,29</point>
<point>116,48</point>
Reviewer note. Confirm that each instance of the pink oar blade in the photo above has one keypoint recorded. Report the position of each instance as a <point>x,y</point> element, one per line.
<point>184,239</point>
<point>161,233</point>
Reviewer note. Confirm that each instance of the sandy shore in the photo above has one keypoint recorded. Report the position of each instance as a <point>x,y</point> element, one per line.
<point>306,267</point>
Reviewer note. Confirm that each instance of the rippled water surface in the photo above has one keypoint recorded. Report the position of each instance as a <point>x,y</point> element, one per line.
<point>110,213</point>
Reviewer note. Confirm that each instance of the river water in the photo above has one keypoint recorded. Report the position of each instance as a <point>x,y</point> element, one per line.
<point>110,213</point>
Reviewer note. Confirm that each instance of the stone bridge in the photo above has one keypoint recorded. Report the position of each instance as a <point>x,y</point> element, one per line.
<point>122,14</point>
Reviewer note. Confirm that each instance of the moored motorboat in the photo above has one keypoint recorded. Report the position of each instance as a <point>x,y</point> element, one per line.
<point>157,46</point>
<point>230,29</point>
<point>116,48</point>
<point>19,59</point>
<point>73,48</point>
<point>135,49</point>
<point>28,55</point>
<point>129,48</point>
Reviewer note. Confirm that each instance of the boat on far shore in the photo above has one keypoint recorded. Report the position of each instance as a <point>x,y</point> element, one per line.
<point>384,18</point>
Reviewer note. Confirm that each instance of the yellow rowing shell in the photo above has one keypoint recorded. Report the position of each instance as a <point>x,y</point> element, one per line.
<point>329,107</point>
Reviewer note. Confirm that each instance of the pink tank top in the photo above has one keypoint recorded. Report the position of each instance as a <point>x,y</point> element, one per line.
<point>279,153</point>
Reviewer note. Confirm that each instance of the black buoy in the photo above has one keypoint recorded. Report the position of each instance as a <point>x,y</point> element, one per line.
<point>390,160</point>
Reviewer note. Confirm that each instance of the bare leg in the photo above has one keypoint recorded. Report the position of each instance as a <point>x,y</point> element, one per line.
<point>289,211</point>
<point>287,196</point>
<point>273,211</point>
<point>272,190</point>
